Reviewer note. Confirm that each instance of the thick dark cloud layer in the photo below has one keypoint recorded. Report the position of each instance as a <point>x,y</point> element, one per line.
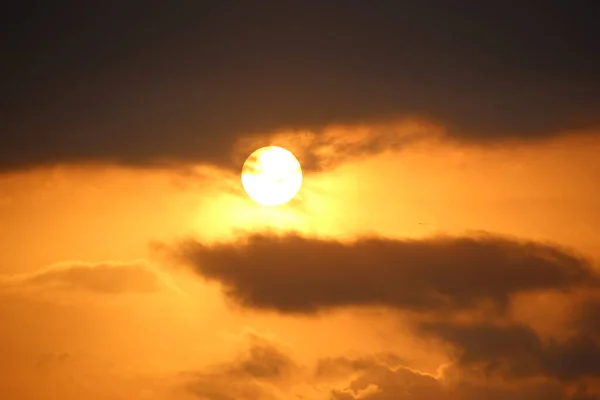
<point>146,82</point>
<point>294,274</point>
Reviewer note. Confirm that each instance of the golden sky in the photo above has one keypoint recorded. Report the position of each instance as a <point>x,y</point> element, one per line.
<point>434,269</point>
<point>444,243</point>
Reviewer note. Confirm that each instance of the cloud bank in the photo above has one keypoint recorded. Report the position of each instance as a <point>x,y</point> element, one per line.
<point>152,83</point>
<point>437,279</point>
<point>295,274</point>
<point>274,374</point>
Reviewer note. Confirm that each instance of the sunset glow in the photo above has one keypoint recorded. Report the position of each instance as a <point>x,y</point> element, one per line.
<point>300,200</point>
<point>272,176</point>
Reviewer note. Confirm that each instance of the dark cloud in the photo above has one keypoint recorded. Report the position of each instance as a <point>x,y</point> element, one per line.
<point>583,393</point>
<point>513,351</point>
<point>384,383</point>
<point>376,377</point>
<point>329,147</point>
<point>516,351</point>
<point>294,274</point>
<point>108,277</point>
<point>262,372</point>
<point>333,367</point>
<point>151,82</point>
<point>586,314</point>
<point>264,361</point>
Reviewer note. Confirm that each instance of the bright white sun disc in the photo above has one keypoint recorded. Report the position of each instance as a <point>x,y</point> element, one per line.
<point>272,176</point>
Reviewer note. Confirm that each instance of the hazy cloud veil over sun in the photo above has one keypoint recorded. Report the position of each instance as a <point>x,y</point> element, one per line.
<point>431,231</point>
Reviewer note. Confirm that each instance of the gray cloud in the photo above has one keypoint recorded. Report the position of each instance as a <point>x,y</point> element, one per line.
<point>294,274</point>
<point>154,82</point>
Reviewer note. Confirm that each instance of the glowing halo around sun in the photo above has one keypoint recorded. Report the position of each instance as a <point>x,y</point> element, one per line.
<point>271,176</point>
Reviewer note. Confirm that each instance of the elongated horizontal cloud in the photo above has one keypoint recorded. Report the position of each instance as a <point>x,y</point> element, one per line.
<point>181,83</point>
<point>294,274</point>
<point>107,277</point>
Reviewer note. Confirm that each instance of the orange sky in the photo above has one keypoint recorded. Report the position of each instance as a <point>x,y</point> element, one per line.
<point>444,245</point>
<point>135,324</point>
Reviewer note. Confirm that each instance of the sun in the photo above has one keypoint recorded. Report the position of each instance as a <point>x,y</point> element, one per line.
<point>271,176</point>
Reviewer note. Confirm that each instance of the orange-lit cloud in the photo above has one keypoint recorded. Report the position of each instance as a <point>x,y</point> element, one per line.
<point>108,278</point>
